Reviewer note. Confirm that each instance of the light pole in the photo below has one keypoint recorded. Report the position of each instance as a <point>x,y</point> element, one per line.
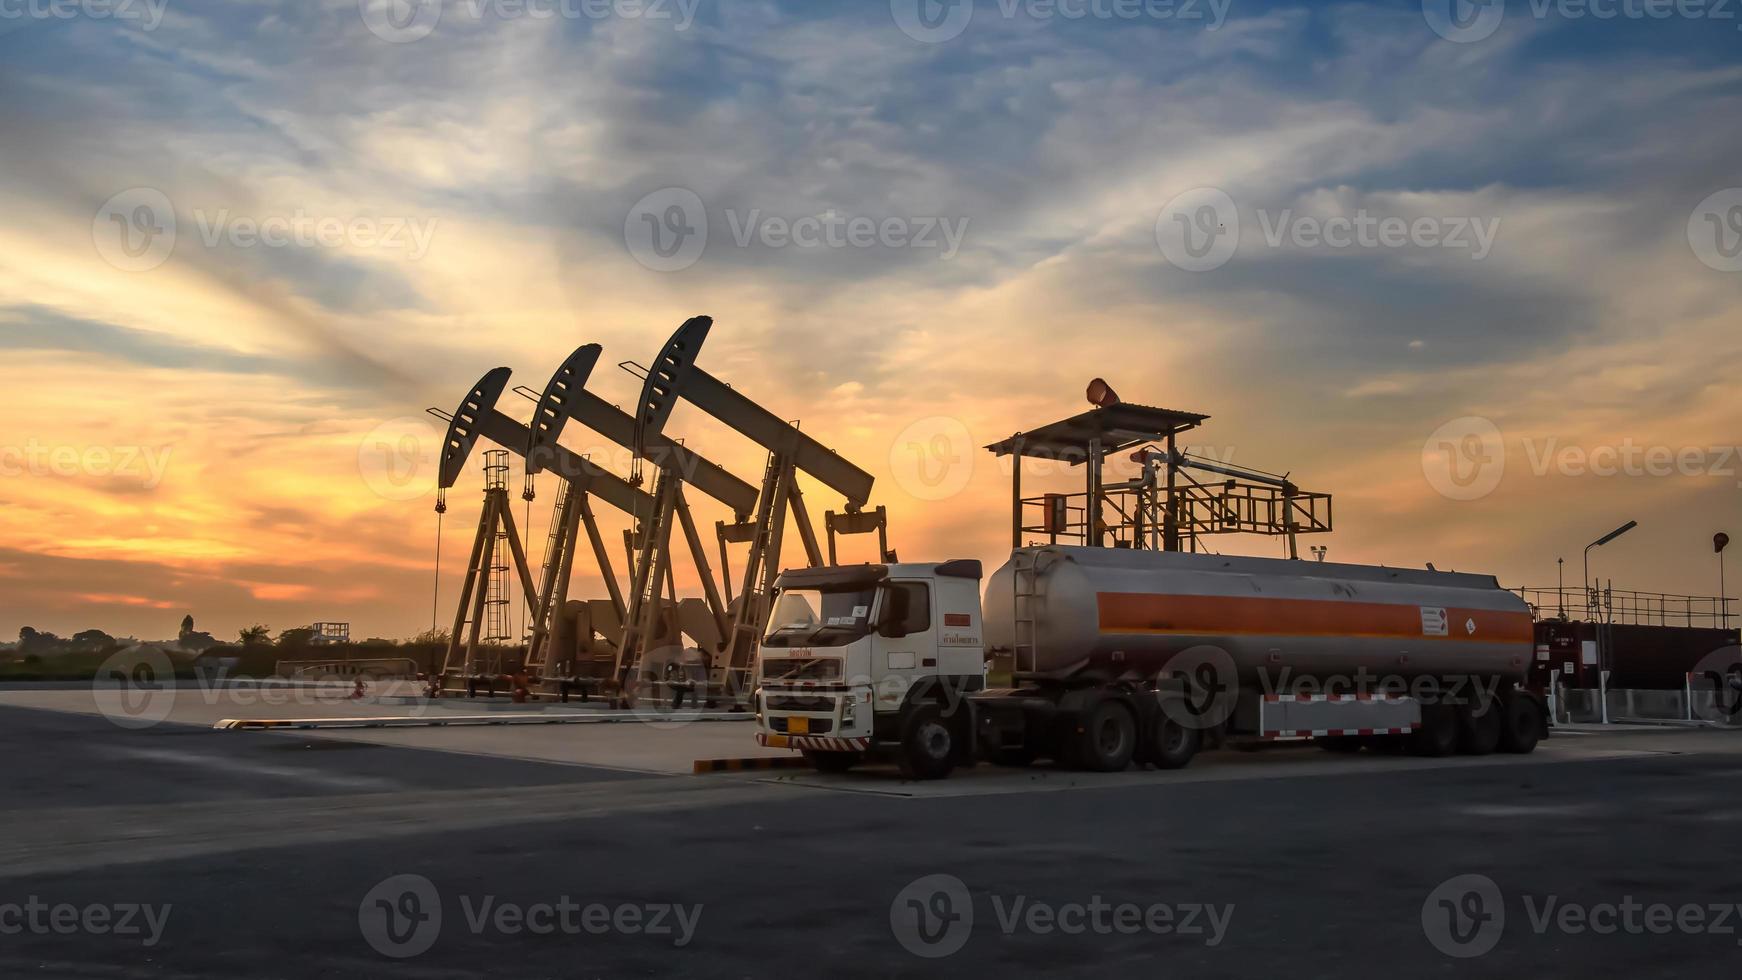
<point>1590,593</point>
<point>1561,585</point>
<point>1720,541</point>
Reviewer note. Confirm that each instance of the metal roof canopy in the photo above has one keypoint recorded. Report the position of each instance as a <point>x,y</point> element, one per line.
<point>1115,428</point>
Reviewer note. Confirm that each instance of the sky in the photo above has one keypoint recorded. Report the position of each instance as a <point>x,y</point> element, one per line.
<point>1472,268</point>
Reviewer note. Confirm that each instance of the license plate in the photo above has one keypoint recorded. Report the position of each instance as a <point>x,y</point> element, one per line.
<point>798,726</point>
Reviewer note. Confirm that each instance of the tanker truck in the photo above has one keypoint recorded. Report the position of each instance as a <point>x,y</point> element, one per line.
<point>1119,656</point>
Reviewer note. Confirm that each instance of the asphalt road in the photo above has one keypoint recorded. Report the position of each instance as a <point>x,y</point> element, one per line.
<point>181,852</point>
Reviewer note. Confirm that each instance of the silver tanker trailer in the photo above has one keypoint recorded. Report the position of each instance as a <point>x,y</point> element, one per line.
<point>1120,655</point>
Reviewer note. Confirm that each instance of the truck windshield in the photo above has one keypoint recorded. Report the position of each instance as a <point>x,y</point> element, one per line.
<point>818,618</point>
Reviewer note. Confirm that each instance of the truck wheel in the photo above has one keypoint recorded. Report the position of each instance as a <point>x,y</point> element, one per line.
<point>1106,738</point>
<point>832,761</point>
<point>1340,744</point>
<point>1438,734</point>
<point>1173,744</point>
<point>928,744</point>
<point>1479,727</point>
<point>1521,723</point>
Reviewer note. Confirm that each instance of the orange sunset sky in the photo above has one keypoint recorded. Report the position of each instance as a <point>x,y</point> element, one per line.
<point>234,428</point>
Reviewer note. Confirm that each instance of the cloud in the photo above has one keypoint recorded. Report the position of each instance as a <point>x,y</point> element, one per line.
<point>524,143</point>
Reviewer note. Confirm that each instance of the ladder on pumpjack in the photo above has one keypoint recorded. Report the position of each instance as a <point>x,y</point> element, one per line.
<point>641,628</point>
<point>550,563</point>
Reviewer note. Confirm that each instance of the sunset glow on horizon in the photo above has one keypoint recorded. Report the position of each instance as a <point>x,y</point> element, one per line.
<point>247,248</point>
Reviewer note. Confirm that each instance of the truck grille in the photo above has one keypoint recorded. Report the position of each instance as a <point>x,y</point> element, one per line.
<point>778,702</point>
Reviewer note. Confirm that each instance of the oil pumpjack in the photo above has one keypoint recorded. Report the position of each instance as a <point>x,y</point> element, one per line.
<point>633,647</point>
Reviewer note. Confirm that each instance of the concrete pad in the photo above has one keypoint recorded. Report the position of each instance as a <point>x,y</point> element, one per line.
<point>648,743</point>
<point>193,704</point>
<point>667,747</point>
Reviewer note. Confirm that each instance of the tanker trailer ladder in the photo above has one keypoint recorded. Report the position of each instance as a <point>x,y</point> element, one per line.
<point>1024,582</point>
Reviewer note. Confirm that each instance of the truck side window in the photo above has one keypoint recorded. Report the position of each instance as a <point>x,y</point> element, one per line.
<point>918,602</point>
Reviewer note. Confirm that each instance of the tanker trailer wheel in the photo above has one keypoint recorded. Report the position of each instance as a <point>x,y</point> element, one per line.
<point>1480,726</point>
<point>1438,734</point>
<point>831,761</point>
<point>1106,738</point>
<point>928,744</point>
<point>1521,723</point>
<point>1172,745</point>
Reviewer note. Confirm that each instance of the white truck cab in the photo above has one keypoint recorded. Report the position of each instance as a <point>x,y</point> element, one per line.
<point>862,660</point>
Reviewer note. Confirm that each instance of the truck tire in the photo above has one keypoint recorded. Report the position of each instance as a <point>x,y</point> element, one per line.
<point>1438,734</point>
<point>1172,745</point>
<point>928,744</point>
<point>1480,726</point>
<point>1521,723</point>
<point>1106,737</point>
<point>831,761</point>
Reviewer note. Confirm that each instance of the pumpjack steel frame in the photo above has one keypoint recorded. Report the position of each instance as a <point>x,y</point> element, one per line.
<point>675,377</point>
<point>478,417</point>
<point>564,399</point>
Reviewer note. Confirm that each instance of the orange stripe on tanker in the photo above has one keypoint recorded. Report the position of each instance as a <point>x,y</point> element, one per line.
<point>1208,615</point>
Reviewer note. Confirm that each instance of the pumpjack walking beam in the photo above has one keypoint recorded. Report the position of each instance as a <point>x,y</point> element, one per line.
<point>477,417</point>
<point>674,376</point>
<point>566,398</point>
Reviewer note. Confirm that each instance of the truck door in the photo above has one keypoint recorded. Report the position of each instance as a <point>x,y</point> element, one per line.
<point>906,641</point>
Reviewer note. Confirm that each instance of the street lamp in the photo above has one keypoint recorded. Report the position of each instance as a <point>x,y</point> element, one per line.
<point>1720,541</point>
<point>1590,593</point>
